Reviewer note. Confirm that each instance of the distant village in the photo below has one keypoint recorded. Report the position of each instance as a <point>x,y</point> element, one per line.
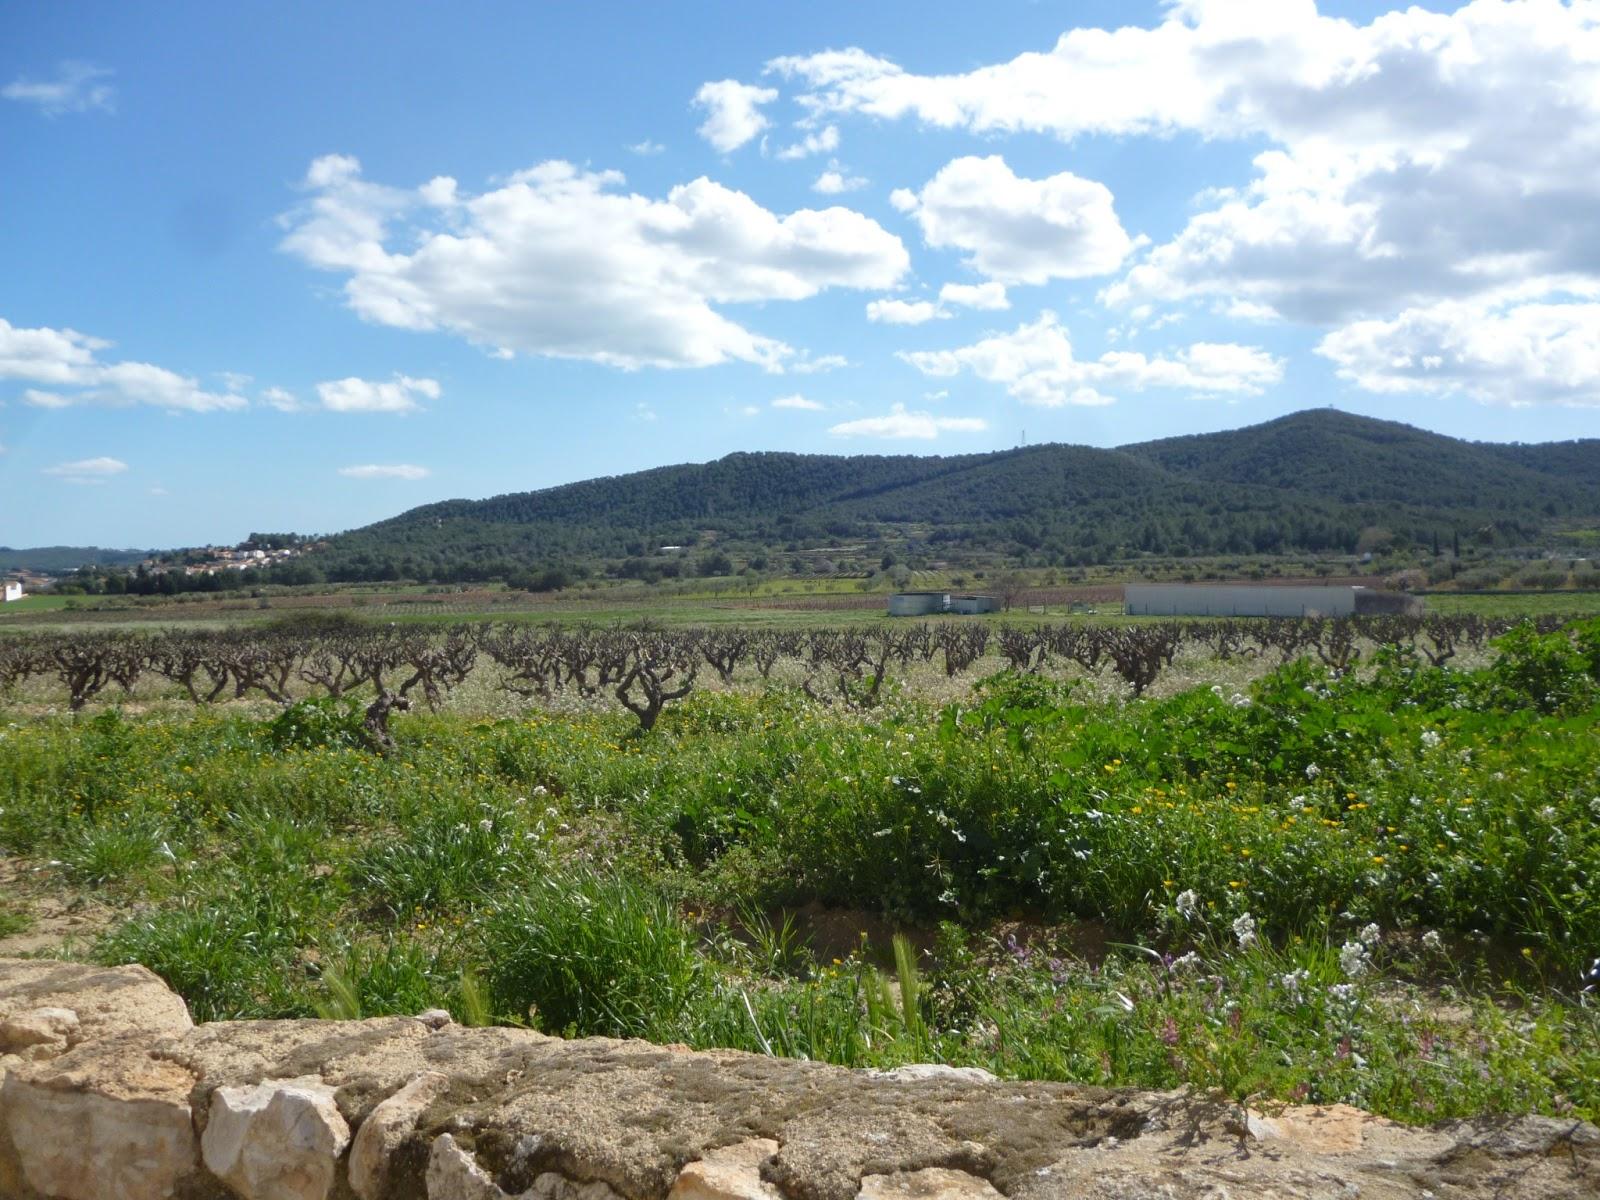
<point>257,553</point>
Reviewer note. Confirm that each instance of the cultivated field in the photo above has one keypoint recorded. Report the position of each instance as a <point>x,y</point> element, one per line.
<point>1329,861</point>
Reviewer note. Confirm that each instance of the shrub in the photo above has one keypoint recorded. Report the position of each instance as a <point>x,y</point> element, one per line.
<point>582,954</point>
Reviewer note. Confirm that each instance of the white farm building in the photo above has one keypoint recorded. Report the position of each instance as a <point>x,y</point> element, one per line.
<point>13,592</point>
<point>1247,600</point>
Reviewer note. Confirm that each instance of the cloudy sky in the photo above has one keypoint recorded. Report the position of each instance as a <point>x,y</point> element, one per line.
<point>269,266</point>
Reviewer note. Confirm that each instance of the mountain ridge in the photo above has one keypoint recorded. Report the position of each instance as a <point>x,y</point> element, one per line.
<point>1315,481</point>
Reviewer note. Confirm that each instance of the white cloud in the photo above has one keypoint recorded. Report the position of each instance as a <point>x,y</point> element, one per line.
<point>806,365</point>
<point>797,401</point>
<point>87,470</point>
<point>397,395</point>
<point>158,490</point>
<point>644,412</point>
<point>904,312</point>
<point>43,399</point>
<point>836,180</point>
<point>990,296</point>
<point>77,87</point>
<point>385,471</point>
<point>557,262</point>
<point>67,359</point>
<point>1035,363</point>
<point>282,400</point>
<point>1516,354</point>
<point>733,112</point>
<point>1417,159</point>
<point>899,423</point>
<point>1018,230</point>
<point>824,141</point>
<point>646,148</point>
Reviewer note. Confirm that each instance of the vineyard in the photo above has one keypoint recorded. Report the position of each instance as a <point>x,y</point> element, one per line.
<point>1365,870</point>
<point>646,668</point>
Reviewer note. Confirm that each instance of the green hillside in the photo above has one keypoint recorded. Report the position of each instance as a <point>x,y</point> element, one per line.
<point>51,559</point>
<point>1311,482</point>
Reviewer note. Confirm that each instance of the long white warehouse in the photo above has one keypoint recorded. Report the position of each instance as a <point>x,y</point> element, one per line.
<point>1245,600</point>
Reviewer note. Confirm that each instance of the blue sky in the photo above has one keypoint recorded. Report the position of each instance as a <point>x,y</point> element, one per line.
<point>269,267</point>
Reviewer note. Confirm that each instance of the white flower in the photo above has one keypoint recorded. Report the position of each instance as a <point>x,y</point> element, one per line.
<point>1312,770</point>
<point>1353,959</point>
<point>1187,962</point>
<point>1370,936</point>
<point>1432,941</point>
<point>1244,928</point>
<point>1594,806</point>
<point>1345,993</point>
<point>1188,905</point>
<point>1239,700</point>
<point>1293,984</point>
<point>1547,813</point>
<point>1430,738</point>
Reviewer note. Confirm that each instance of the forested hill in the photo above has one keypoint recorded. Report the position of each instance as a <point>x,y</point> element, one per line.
<point>65,558</point>
<point>1314,481</point>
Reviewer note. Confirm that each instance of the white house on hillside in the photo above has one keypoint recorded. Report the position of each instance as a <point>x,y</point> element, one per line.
<point>13,592</point>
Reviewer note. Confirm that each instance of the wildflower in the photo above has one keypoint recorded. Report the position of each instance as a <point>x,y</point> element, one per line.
<point>1353,959</point>
<point>1432,941</point>
<point>1188,905</point>
<point>1293,984</point>
<point>1244,928</point>
<point>1430,739</point>
<point>1370,935</point>
<point>1191,962</point>
<point>1169,1032</point>
<point>1312,770</point>
<point>1345,994</point>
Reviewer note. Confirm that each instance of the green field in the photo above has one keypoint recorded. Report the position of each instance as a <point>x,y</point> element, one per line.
<point>1377,888</point>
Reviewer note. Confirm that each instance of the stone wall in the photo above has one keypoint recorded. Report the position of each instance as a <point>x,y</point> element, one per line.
<point>109,1092</point>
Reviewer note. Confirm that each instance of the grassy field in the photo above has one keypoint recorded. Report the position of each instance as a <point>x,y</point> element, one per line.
<point>1380,888</point>
<point>780,604</point>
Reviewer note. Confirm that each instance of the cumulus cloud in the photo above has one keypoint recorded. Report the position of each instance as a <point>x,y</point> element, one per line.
<point>87,470</point>
<point>1415,160</point>
<point>1018,230</point>
<point>836,180</point>
<point>797,402</point>
<point>1516,354</point>
<point>990,296</point>
<point>646,148</point>
<point>901,424</point>
<point>806,365</point>
<point>281,399</point>
<point>733,112</point>
<point>557,261</point>
<point>904,312</point>
<point>823,141</point>
<point>68,363</point>
<point>397,395</point>
<point>385,471</point>
<point>1035,363</point>
<point>77,87</point>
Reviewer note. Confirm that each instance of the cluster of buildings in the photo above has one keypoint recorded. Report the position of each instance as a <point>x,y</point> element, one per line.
<point>218,558</point>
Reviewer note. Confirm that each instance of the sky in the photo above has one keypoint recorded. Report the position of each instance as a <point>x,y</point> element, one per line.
<point>272,267</point>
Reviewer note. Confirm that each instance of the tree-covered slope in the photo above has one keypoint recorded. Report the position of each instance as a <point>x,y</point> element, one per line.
<point>1312,481</point>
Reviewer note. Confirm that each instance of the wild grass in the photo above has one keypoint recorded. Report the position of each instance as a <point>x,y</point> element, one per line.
<point>1379,887</point>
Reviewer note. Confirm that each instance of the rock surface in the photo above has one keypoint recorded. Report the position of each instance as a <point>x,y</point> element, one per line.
<point>119,1105</point>
<point>277,1140</point>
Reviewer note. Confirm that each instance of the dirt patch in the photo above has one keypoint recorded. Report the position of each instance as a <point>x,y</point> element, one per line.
<point>40,914</point>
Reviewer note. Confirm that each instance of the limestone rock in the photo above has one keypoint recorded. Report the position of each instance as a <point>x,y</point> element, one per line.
<point>385,1128</point>
<point>930,1183</point>
<point>920,1072</point>
<point>435,1018</point>
<point>106,1000</point>
<point>98,1123</point>
<point>454,1174</point>
<point>278,1140</point>
<point>52,1027</point>
<point>730,1173</point>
